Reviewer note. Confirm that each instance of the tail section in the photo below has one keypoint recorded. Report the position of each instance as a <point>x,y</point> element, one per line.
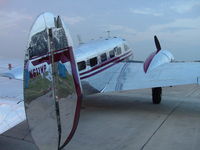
<point>52,89</point>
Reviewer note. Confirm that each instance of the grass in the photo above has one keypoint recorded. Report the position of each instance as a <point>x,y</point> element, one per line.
<point>40,86</point>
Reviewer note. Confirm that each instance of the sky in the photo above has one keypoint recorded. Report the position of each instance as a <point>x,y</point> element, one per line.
<point>175,22</point>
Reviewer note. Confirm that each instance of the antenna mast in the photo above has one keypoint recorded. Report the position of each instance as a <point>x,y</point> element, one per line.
<point>79,39</point>
<point>108,34</point>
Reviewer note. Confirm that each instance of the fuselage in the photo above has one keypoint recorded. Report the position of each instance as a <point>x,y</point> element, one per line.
<point>98,60</point>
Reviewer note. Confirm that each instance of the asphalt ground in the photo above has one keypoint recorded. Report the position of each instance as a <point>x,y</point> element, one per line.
<point>129,121</point>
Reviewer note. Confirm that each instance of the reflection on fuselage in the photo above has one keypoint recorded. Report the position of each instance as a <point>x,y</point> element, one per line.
<point>50,94</point>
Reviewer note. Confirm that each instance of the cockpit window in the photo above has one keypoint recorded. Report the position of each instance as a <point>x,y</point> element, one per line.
<point>103,57</point>
<point>119,50</point>
<point>81,65</point>
<point>93,61</point>
<point>112,53</point>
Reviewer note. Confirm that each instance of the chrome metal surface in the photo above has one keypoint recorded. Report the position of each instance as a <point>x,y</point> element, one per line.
<point>51,102</point>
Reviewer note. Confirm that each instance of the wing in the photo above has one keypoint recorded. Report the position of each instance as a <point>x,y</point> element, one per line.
<point>15,72</point>
<point>11,114</point>
<point>159,70</point>
<point>11,103</point>
<point>132,76</point>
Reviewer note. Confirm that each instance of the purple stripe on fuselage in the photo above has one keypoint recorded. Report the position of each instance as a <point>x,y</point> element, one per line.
<point>114,62</point>
<point>105,63</point>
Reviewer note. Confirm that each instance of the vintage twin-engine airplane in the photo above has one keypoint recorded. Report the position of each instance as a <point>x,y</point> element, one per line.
<point>56,77</point>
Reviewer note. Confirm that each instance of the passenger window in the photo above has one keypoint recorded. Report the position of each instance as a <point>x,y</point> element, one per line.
<point>81,65</point>
<point>119,50</point>
<point>112,53</point>
<point>103,57</point>
<point>93,61</point>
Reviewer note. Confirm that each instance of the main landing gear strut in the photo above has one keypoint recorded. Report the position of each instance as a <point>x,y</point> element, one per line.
<point>156,95</point>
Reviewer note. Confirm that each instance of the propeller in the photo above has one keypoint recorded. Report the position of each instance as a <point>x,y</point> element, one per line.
<point>157,43</point>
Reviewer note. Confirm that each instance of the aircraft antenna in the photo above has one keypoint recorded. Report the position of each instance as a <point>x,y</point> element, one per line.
<point>79,40</point>
<point>108,33</point>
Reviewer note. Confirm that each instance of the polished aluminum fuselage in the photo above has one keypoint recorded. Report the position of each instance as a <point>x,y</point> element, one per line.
<point>94,79</point>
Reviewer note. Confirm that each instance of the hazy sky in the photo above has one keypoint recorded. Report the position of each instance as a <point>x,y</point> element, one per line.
<point>176,23</point>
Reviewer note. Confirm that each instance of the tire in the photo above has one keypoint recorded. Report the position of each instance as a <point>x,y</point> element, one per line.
<point>156,95</point>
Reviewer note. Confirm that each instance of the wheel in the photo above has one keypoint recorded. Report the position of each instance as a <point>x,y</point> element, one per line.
<point>156,95</point>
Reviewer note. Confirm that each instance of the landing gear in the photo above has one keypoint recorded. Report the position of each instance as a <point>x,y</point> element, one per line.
<point>156,95</point>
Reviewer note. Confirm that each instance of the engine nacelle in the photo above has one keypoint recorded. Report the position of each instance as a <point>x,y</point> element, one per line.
<point>156,59</point>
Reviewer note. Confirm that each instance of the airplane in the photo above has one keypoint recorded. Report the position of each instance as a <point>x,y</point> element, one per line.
<point>56,76</point>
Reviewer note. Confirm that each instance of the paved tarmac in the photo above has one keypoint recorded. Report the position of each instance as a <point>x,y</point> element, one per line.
<point>129,121</point>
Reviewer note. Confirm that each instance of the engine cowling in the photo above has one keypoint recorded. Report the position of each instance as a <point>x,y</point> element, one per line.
<point>156,59</point>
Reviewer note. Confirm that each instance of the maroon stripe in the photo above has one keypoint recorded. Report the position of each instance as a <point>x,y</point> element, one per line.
<point>58,56</point>
<point>75,72</point>
<point>55,51</point>
<point>105,63</point>
<point>79,97</point>
<point>87,76</point>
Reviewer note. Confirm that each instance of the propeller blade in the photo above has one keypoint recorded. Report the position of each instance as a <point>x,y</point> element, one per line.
<point>157,43</point>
